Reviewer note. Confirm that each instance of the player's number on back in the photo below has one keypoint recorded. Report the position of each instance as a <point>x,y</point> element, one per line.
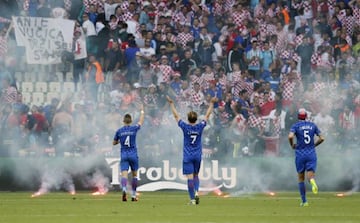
<point>193,138</point>
<point>127,141</point>
<point>307,137</point>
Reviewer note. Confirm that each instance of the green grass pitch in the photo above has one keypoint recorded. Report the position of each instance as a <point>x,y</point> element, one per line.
<point>171,206</point>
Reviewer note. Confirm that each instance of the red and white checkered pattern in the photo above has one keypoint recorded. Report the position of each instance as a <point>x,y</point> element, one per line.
<point>356,13</point>
<point>236,77</point>
<point>298,40</point>
<point>126,16</point>
<point>318,88</point>
<point>219,9</point>
<point>150,99</point>
<point>98,3</point>
<point>256,122</point>
<point>207,77</point>
<point>259,11</point>
<point>196,98</point>
<point>166,71</point>
<point>296,4</point>
<point>315,59</point>
<point>179,17</point>
<point>196,79</point>
<point>349,23</point>
<point>239,86</point>
<point>9,95</point>
<point>288,89</point>
<point>184,38</point>
<point>281,41</point>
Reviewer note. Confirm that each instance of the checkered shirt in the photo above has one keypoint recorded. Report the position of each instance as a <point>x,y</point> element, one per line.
<point>288,89</point>
<point>197,79</point>
<point>356,13</point>
<point>298,40</point>
<point>98,3</point>
<point>238,86</point>
<point>179,17</point>
<point>259,11</point>
<point>256,122</point>
<point>296,5</point>
<point>9,95</point>
<point>318,88</point>
<point>281,41</point>
<point>219,9</point>
<point>196,98</point>
<point>208,77</point>
<point>126,16</point>
<point>349,22</point>
<point>124,5</point>
<point>315,59</point>
<point>331,5</point>
<point>184,38</point>
<point>276,122</point>
<point>150,99</point>
<point>166,71</point>
<point>236,77</point>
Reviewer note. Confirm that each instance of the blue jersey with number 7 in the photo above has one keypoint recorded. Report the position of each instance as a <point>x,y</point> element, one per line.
<point>192,139</point>
<point>305,132</point>
<point>127,137</point>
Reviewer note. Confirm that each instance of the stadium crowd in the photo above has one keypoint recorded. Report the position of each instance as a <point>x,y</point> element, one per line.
<point>262,59</point>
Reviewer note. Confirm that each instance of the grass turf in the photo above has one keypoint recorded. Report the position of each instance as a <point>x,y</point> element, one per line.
<point>171,207</point>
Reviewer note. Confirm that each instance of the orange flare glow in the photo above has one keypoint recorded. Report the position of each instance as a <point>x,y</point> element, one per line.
<point>340,195</point>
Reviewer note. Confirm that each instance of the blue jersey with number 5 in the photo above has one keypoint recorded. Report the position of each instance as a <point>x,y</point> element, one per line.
<point>192,139</point>
<point>127,137</point>
<point>305,132</point>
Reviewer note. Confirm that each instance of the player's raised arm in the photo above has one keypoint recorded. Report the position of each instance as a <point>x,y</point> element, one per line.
<point>211,108</point>
<point>142,115</point>
<point>173,109</point>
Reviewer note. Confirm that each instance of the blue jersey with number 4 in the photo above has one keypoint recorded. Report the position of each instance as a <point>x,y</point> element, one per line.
<point>192,139</point>
<point>127,137</point>
<point>305,132</point>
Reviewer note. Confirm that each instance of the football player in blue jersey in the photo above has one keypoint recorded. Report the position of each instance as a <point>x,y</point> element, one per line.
<point>192,146</point>
<point>305,154</point>
<point>126,136</point>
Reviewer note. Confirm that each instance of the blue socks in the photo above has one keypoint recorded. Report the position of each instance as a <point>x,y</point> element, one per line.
<point>191,189</point>
<point>302,191</point>
<point>123,183</point>
<point>196,183</point>
<point>134,183</point>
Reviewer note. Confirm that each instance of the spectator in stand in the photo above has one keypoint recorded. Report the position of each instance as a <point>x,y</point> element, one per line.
<point>187,64</point>
<point>90,32</point>
<point>93,78</point>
